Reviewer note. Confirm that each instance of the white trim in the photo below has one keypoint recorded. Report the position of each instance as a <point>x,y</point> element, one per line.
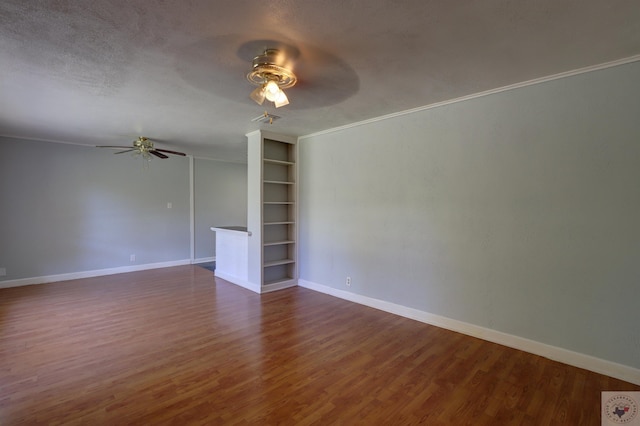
<point>576,359</point>
<point>25,138</point>
<point>89,274</point>
<point>280,137</point>
<point>31,139</point>
<point>192,209</point>
<point>540,80</point>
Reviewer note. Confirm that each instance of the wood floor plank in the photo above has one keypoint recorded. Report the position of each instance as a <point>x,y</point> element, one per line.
<point>178,346</point>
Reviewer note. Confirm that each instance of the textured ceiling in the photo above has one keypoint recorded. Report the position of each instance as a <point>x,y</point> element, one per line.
<point>107,71</point>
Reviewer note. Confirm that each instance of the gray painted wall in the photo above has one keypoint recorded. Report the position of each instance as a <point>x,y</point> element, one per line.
<point>68,208</point>
<point>220,200</point>
<point>517,211</point>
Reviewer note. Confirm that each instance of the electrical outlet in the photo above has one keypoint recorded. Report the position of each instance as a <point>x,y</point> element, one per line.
<point>348,282</point>
<point>169,205</point>
<point>3,272</point>
<point>132,258</point>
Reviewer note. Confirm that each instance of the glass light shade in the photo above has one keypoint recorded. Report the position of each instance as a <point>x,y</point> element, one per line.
<point>281,100</point>
<point>258,95</point>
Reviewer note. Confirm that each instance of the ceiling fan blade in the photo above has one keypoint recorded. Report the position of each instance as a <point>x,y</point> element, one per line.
<point>126,150</point>
<point>113,146</point>
<point>158,154</point>
<point>171,152</point>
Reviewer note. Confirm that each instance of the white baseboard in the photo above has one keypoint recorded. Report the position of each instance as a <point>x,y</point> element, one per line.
<point>89,274</point>
<point>576,359</point>
<point>238,281</point>
<point>256,288</point>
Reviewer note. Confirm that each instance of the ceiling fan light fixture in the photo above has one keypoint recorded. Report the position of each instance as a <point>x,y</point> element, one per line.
<point>143,154</point>
<point>144,148</point>
<point>271,74</point>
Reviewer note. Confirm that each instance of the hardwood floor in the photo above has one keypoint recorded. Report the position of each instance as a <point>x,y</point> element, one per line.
<point>176,346</point>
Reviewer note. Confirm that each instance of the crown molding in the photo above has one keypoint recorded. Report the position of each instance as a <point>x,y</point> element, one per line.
<point>465,98</point>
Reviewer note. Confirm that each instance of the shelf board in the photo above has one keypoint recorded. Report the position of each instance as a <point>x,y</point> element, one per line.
<point>279,202</point>
<point>275,282</point>
<point>279,223</point>
<point>278,243</point>
<point>284,163</point>
<point>278,182</point>
<point>278,262</point>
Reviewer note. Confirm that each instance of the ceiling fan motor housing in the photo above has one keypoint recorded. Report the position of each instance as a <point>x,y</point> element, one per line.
<point>271,66</point>
<point>143,143</point>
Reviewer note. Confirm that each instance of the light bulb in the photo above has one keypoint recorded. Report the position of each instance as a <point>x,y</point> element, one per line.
<point>272,90</point>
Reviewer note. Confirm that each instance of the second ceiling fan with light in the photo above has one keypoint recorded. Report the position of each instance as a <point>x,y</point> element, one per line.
<point>145,148</point>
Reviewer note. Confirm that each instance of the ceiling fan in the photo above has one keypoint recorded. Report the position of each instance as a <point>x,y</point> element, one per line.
<point>273,64</point>
<point>144,147</point>
<point>271,73</point>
